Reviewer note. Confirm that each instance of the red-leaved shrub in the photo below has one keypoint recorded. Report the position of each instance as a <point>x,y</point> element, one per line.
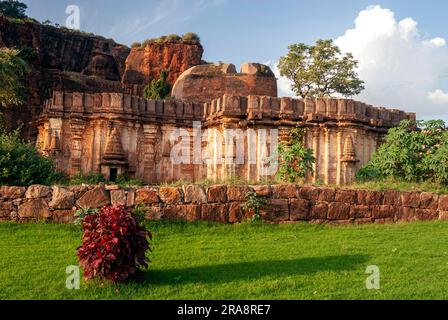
<point>113,245</point>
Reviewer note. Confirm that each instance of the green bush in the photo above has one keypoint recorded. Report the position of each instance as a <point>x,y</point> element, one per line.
<point>158,89</point>
<point>173,37</point>
<point>136,45</point>
<point>91,178</point>
<point>191,37</point>
<point>294,160</point>
<point>21,164</point>
<point>412,152</point>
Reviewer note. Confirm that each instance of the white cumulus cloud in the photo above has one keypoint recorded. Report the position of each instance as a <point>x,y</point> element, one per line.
<point>401,69</point>
<point>439,97</point>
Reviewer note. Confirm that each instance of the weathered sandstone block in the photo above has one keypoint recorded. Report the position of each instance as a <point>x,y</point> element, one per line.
<point>263,191</point>
<point>392,198</point>
<point>217,193</point>
<point>170,195</point>
<point>276,210</point>
<point>12,192</point>
<point>194,194</point>
<point>147,196</point>
<point>62,199</point>
<point>319,210</point>
<point>214,212</point>
<point>406,214</point>
<point>429,201</point>
<point>309,193</point>
<point>360,211</point>
<point>300,209</point>
<point>37,191</point>
<point>327,194</point>
<point>426,214</point>
<point>181,212</point>
<point>384,211</point>
<point>63,216</point>
<point>98,197</point>
<point>338,211</point>
<point>369,197</point>
<point>443,202</point>
<point>238,193</point>
<point>37,208</point>
<point>285,191</point>
<point>236,212</point>
<point>410,199</point>
<point>345,196</point>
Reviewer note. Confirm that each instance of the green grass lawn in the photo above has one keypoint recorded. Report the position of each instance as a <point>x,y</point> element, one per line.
<point>210,261</point>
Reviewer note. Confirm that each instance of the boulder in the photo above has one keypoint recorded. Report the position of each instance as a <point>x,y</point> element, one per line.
<point>37,208</point>
<point>12,192</point>
<point>98,197</point>
<point>62,199</point>
<point>37,191</point>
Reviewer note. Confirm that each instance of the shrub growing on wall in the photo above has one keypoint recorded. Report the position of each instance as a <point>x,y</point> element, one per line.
<point>411,152</point>
<point>158,89</point>
<point>114,245</point>
<point>295,161</point>
<point>20,163</point>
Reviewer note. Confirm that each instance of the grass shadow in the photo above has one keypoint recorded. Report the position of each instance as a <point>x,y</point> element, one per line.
<point>254,270</point>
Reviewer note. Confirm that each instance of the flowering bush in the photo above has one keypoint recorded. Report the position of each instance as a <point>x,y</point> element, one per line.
<point>113,245</point>
<point>412,153</point>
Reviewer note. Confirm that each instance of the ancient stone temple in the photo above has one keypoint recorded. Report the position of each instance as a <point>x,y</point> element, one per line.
<point>220,124</point>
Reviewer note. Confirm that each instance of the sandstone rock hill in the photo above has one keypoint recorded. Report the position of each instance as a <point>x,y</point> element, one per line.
<point>74,61</point>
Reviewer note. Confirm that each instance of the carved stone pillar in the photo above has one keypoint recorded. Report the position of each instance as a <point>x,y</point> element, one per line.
<point>149,153</point>
<point>77,128</point>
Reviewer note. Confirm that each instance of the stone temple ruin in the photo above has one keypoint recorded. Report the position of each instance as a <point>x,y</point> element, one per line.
<point>115,133</point>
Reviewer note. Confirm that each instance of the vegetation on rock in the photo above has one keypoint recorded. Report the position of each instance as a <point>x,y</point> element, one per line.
<point>189,37</point>
<point>320,70</point>
<point>12,70</point>
<point>159,88</point>
<point>13,9</point>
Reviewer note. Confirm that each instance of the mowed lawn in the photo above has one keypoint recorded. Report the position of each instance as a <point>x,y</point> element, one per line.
<point>247,261</point>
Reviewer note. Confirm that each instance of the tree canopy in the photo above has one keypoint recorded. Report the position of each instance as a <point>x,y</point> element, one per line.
<point>13,9</point>
<point>320,70</point>
<point>12,70</point>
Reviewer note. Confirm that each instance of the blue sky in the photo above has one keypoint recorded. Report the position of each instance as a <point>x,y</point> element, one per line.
<point>261,30</point>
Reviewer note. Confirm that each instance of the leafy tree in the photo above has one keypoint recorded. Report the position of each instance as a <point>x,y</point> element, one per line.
<point>158,89</point>
<point>412,152</point>
<point>13,9</point>
<point>295,161</point>
<point>12,69</point>
<point>320,70</point>
<point>20,163</point>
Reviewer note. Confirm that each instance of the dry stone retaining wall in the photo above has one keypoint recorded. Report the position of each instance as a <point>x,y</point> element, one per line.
<point>221,203</point>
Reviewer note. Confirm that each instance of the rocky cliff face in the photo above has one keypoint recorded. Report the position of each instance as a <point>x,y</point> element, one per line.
<point>146,63</point>
<point>66,60</point>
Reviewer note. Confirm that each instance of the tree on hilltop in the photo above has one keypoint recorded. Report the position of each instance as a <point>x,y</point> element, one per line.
<point>320,70</point>
<point>13,9</point>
